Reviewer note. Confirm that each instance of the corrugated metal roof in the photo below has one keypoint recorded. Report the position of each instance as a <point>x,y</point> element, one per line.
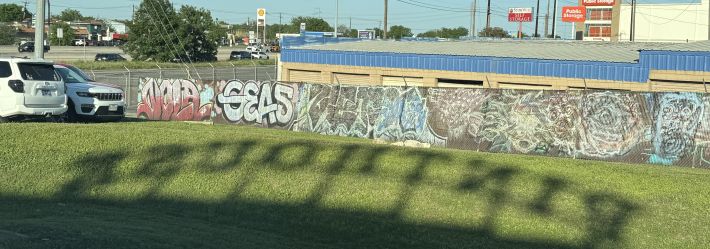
<point>701,46</point>
<point>551,50</point>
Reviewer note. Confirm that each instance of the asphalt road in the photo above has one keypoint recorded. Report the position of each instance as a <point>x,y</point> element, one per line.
<point>70,53</point>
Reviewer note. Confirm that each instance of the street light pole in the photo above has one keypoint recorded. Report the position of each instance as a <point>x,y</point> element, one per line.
<point>337,16</point>
<point>384,35</point>
<point>39,30</point>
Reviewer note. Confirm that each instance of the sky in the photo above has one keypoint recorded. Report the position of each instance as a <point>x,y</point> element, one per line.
<point>362,14</point>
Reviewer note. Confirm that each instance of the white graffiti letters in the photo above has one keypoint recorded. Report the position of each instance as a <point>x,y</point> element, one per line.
<point>254,102</point>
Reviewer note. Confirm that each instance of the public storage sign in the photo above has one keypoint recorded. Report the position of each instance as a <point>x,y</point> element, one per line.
<point>598,2</point>
<point>574,14</point>
<point>520,15</point>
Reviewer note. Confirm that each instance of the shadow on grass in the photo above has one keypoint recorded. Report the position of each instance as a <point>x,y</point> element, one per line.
<point>236,221</point>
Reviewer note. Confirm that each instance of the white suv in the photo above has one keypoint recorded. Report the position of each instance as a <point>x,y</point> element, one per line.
<point>30,88</point>
<point>89,100</point>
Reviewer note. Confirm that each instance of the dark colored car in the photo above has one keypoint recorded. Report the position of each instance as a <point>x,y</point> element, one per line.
<point>239,55</point>
<point>109,57</point>
<point>30,47</point>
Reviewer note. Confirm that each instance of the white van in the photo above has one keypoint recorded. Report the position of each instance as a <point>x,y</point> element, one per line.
<point>30,88</point>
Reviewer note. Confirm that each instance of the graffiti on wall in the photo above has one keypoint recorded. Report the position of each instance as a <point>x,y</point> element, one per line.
<point>267,104</point>
<point>658,128</point>
<point>179,100</point>
<point>389,113</point>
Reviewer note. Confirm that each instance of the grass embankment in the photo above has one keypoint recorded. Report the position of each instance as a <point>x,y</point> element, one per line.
<point>87,65</point>
<point>170,185</point>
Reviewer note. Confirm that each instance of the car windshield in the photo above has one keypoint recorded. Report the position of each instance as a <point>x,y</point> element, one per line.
<point>70,76</point>
<point>80,73</point>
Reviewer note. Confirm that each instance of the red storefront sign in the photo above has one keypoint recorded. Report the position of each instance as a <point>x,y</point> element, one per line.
<point>520,15</point>
<point>574,14</point>
<point>598,2</point>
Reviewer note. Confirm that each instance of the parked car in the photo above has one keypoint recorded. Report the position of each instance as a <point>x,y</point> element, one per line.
<point>239,55</point>
<point>30,88</point>
<point>30,47</point>
<point>79,42</point>
<point>259,56</point>
<point>109,57</point>
<point>254,48</point>
<point>89,100</point>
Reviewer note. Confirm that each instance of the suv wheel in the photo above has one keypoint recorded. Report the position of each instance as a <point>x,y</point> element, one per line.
<point>71,116</point>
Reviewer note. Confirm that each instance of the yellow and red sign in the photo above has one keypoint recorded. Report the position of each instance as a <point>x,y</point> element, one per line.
<point>261,17</point>
<point>574,14</point>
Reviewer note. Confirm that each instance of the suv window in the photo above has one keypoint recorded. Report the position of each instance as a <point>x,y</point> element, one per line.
<point>5,70</point>
<point>32,71</point>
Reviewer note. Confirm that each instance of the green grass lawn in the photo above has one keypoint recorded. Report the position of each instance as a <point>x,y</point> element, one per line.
<point>178,185</point>
<point>133,65</point>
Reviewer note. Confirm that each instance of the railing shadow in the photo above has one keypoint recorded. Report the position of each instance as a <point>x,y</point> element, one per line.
<point>316,225</point>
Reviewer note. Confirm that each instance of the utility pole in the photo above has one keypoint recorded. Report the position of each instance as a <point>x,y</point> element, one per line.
<point>537,19</point>
<point>554,19</point>
<point>39,30</point>
<point>547,19</point>
<point>24,11</point>
<point>488,15</point>
<point>632,34</point>
<point>133,16</point>
<point>384,34</point>
<point>709,22</point>
<point>473,18</point>
<point>337,16</point>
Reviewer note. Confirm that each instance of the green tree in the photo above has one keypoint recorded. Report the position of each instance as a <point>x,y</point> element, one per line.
<point>398,31</point>
<point>152,34</point>
<point>13,13</point>
<point>67,37</point>
<point>199,33</point>
<point>8,34</point>
<point>496,32</point>
<point>70,15</point>
<point>312,24</point>
<point>449,33</point>
<point>353,33</point>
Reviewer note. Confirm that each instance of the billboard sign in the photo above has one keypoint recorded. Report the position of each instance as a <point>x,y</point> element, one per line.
<point>261,17</point>
<point>574,14</point>
<point>366,34</point>
<point>520,15</point>
<point>598,2</point>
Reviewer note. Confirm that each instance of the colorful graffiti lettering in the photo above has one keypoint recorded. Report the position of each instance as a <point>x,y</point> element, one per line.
<point>179,100</point>
<point>262,103</point>
<point>658,128</point>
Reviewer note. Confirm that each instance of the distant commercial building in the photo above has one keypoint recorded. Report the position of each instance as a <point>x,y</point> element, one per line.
<point>551,65</point>
<point>611,20</point>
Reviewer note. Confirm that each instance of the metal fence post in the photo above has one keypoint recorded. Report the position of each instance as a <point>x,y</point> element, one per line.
<point>214,75</point>
<point>256,73</point>
<point>234,70</point>
<point>160,70</point>
<point>187,69</point>
<point>128,86</point>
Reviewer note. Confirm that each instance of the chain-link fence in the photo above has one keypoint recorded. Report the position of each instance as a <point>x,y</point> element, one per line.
<point>129,79</point>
